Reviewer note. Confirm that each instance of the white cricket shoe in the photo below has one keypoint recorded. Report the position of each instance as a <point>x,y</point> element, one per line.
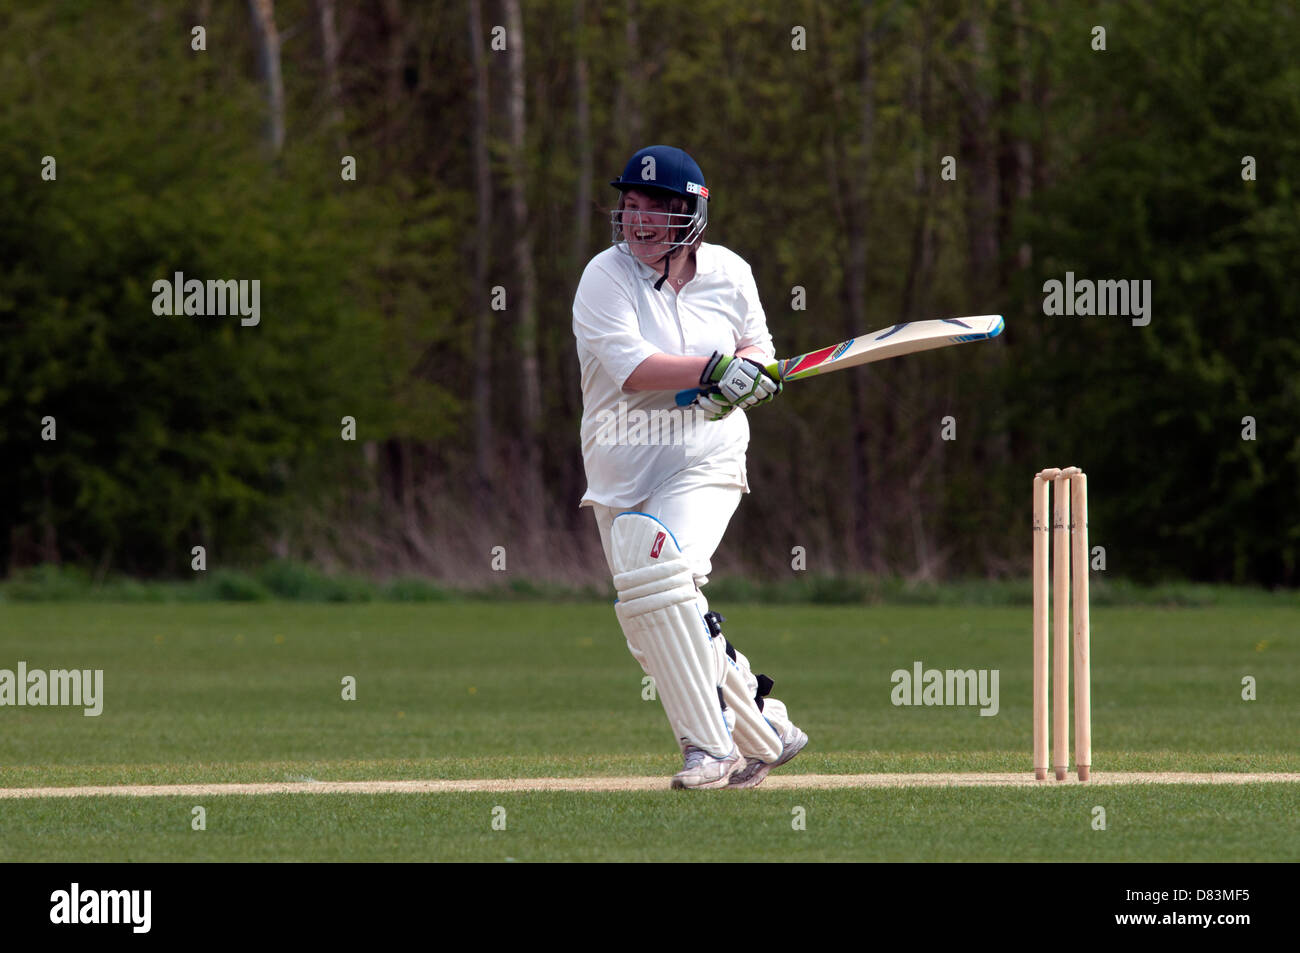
<point>703,770</point>
<point>754,771</point>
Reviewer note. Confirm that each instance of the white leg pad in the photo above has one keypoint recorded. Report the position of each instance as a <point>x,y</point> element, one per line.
<point>755,736</point>
<point>662,623</point>
<point>774,712</point>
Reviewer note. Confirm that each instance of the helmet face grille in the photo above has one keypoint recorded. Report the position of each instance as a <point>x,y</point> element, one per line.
<point>661,229</point>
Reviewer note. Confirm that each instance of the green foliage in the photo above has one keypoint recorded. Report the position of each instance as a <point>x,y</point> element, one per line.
<point>235,586</point>
<point>823,166</point>
<point>299,582</point>
<point>416,590</point>
<point>1155,131</point>
<point>175,430</point>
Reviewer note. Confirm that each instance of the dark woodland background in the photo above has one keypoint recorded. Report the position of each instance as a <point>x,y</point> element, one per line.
<point>479,168</point>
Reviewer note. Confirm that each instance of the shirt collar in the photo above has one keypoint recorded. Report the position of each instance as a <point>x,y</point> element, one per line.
<point>705,263</point>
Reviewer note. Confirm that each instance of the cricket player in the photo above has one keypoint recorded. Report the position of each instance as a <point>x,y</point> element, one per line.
<point>658,312</point>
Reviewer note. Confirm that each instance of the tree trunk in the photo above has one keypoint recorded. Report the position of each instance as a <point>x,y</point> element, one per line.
<point>916,288</point>
<point>525,297</point>
<point>268,59</point>
<point>631,83</point>
<point>1015,159</point>
<point>570,404</point>
<point>582,94</point>
<point>393,73</point>
<point>910,489</point>
<point>856,314</point>
<point>329,42</point>
<point>482,251</point>
<point>979,168</point>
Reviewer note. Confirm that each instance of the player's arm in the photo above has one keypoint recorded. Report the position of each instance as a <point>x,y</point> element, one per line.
<point>755,339</point>
<point>755,344</point>
<point>605,322</point>
<point>748,379</point>
<point>666,372</point>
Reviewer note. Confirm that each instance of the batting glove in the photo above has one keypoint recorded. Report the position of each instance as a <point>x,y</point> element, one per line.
<point>741,381</point>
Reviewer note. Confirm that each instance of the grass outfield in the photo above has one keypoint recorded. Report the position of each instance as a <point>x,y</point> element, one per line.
<point>1147,823</point>
<point>251,692</point>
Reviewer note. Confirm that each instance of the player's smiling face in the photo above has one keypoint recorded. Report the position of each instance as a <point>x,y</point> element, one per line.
<point>645,225</point>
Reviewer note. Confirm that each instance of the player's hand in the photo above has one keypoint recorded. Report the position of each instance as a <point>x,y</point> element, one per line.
<point>714,405</point>
<point>740,381</point>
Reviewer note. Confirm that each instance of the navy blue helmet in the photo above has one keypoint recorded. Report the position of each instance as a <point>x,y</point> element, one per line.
<point>663,170</point>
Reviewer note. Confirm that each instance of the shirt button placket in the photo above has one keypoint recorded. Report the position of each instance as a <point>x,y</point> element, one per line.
<point>681,325</point>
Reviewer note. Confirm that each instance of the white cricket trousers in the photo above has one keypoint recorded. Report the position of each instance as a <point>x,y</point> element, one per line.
<point>696,505</point>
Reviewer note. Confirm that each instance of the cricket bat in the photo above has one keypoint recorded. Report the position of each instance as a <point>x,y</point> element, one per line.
<point>881,345</point>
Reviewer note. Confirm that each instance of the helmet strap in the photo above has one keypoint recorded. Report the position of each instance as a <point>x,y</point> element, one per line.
<point>668,263</point>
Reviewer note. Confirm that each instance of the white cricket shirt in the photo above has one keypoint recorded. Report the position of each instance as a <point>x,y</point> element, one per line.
<point>633,442</point>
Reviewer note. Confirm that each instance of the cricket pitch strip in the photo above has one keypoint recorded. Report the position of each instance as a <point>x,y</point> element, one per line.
<point>787,782</point>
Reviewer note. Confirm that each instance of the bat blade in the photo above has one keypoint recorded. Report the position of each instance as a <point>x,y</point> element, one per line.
<point>901,339</point>
<point>907,338</point>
